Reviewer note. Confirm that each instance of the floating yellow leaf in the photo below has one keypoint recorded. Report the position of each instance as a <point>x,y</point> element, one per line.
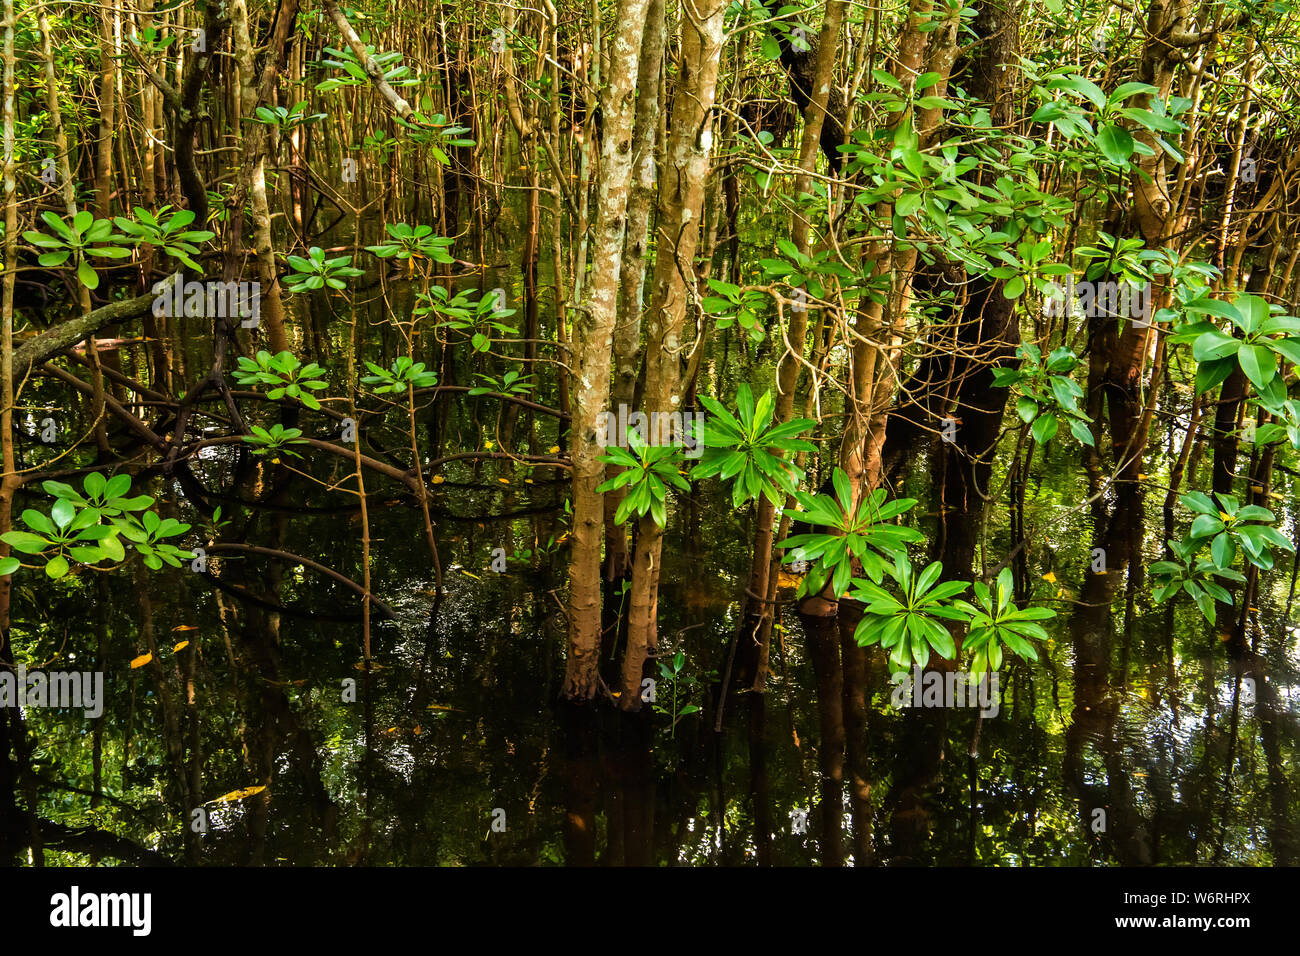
<point>554,450</point>
<point>1050,577</point>
<point>488,445</point>
<point>474,576</point>
<point>184,627</point>
<point>504,481</point>
<point>234,795</point>
<point>437,479</point>
<point>181,646</point>
<point>528,481</point>
<point>141,661</point>
<point>416,730</point>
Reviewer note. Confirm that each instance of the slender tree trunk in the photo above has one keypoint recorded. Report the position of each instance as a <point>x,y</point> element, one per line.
<point>594,342</point>
<point>680,206</point>
<point>641,201</point>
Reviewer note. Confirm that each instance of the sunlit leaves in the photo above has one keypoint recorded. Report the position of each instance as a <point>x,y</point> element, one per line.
<point>745,448</point>
<point>909,626</point>
<point>87,527</point>
<point>413,242</point>
<point>316,272</point>
<point>1229,525</point>
<point>865,534</point>
<point>1045,393</point>
<point>285,374</point>
<point>511,383</point>
<point>74,240</point>
<point>284,118</point>
<point>274,439</point>
<point>170,234</point>
<point>995,621</point>
<point>402,375</point>
<point>735,306</point>
<point>647,472</point>
<point>1193,576</point>
<point>1261,344</point>
<point>354,73</point>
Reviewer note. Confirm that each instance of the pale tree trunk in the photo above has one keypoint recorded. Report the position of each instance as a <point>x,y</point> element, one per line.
<point>681,203</point>
<point>594,342</point>
<point>627,336</point>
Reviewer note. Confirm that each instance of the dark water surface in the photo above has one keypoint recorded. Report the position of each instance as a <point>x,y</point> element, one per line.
<point>1131,741</point>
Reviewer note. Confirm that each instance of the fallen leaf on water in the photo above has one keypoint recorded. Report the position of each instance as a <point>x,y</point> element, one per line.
<point>234,795</point>
<point>554,450</point>
<point>474,576</point>
<point>181,646</point>
<point>184,627</point>
<point>141,661</point>
<point>504,481</point>
<point>416,730</point>
<point>437,479</point>
<point>1050,577</point>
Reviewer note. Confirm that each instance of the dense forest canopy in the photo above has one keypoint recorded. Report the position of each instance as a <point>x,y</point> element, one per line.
<point>649,432</point>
